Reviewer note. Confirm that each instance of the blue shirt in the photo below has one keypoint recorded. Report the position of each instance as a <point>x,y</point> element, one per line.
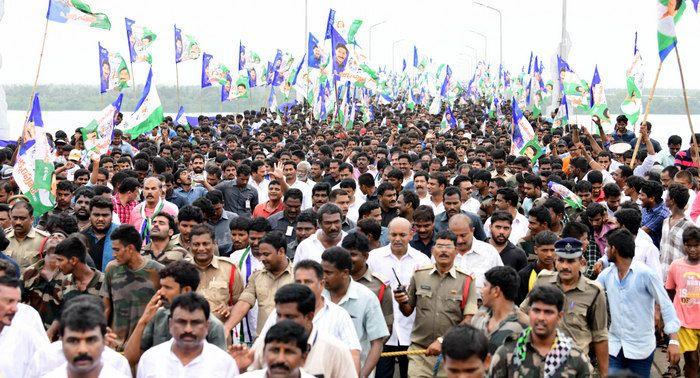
<point>654,220</point>
<point>631,304</point>
<point>626,137</point>
<point>192,195</point>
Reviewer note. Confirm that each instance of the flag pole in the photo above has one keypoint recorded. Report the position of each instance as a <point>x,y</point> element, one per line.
<point>133,76</point>
<point>38,69</point>
<point>177,85</point>
<point>646,113</point>
<point>687,108</point>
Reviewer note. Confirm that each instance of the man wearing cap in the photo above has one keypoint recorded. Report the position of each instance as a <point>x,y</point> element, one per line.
<point>585,309</point>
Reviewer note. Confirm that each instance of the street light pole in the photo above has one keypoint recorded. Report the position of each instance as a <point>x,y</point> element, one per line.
<point>370,37</point>
<point>486,42</point>
<point>500,29</point>
<point>393,53</point>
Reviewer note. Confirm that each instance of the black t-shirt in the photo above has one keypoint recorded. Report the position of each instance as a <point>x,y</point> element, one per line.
<point>513,257</point>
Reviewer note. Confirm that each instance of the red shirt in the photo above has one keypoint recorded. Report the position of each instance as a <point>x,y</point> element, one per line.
<point>123,211</point>
<point>261,210</point>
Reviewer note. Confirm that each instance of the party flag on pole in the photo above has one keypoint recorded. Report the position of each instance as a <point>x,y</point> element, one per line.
<point>114,73</point>
<point>446,83</point>
<point>140,39</point>
<point>97,135</point>
<point>76,11</point>
<point>329,24</point>
<point>187,49</point>
<point>33,170</point>
<point>148,112</point>
<point>631,105</point>
<point>669,12</point>
<point>212,71</point>
<point>561,119</point>
<point>599,104</point>
<point>353,30</point>
<point>448,120</point>
<point>523,134</point>
<point>415,56</point>
<point>569,197</point>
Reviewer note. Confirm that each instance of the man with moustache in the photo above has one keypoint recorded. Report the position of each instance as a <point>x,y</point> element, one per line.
<point>187,354</point>
<point>143,214</point>
<point>329,235</point>
<point>177,278</point>
<point>82,207</point>
<point>99,234</point>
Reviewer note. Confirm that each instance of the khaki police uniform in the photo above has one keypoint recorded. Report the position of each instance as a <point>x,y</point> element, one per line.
<point>220,283</point>
<point>28,250</point>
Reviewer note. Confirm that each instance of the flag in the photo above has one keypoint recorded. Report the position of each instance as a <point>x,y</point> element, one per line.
<point>97,135</point>
<point>599,104</point>
<point>212,71</point>
<point>569,197</point>
<point>448,120</point>
<point>522,134</point>
<point>415,56</point>
<point>353,30</point>
<point>237,89</point>
<point>669,12</point>
<point>295,73</point>
<point>178,117</point>
<point>329,24</point>
<point>340,52</point>
<point>241,55</point>
<point>631,105</point>
<point>561,119</point>
<point>185,50</point>
<point>576,90</point>
<point>148,112</point>
<point>272,100</point>
<point>314,52</point>
<point>446,83</point>
<point>403,68</point>
<point>76,11</point>
<point>695,5</point>
<point>140,39</point>
<point>114,74</point>
<point>33,170</point>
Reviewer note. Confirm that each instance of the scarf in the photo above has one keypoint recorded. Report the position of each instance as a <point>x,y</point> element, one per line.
<point>148,221</point>
<point>556,357</point>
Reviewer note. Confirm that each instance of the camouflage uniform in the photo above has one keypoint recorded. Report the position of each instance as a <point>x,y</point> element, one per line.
<point>70,289</point>
<point>505,363</point>
<point>43,295</point>
<point>508,329</point>
<point>129,292</point>
<point>171,253</point>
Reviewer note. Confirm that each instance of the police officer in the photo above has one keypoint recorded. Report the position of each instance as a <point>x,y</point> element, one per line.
<point>585,309</point>
<point>443,296</point>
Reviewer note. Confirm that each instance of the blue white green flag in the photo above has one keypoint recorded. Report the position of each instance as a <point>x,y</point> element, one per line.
<point>76,11</point>
<point>569,197</point>
<point>140,39</point>
<point>213,72</point>
<point>33,170</point>
<point>97,135</point>
<point>599,104</point>
<point>148,112</point>
<point>631,105</point>
<point>187,49</point>
<point>669,12</point>
<point>114,73</point>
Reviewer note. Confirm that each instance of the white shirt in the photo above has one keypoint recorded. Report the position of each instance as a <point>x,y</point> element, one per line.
<point>518,229</point>
<point>354,210</point>
<point>262,373</point>
<point>160,361</point>
<point>471,205</point>
<point>332,319</point>
<point>250,321</point>
<point>29,318</point>
<point>18,344</point>
<point>311,248</point>
<point>261,188</point>
<point>437,207</point>
<point>382,261</point>
<point>47,359</point>
<point>306,191</point>
<point>482,257</point>
<point>107,371</point>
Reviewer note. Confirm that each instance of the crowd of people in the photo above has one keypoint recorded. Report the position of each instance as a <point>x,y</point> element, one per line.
<point>267,246</point>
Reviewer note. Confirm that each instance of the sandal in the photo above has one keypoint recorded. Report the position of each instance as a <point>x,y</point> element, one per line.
<point>673,371</point>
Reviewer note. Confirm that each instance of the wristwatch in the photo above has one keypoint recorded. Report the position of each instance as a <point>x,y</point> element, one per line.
<point>673,342</point>
<point>439,339</point>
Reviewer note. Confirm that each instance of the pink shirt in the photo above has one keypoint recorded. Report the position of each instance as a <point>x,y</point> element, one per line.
<point>684,278</point>
<point>137,219</point>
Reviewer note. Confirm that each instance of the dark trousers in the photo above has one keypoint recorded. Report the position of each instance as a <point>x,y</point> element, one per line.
<point>385,365</point>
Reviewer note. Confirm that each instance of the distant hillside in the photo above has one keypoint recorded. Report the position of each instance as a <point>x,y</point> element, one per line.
<point>84,97</point>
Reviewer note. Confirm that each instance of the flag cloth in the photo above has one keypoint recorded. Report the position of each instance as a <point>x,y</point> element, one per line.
<point>669,12</point>
<point>631,105</point>
<point>272,100</point>
<point>241,56</point>
<point>569,197</point>
<point>446,83</point>
<point>114,74</point>
<point>448,120</point>
<point>329,24</point>
<point>576,90</point>
<point>415,56</point>
<point>33,170</point>
<point>140,39</point>
<point>237,89</point>
<point>148,113</point>
<point>314,52</point>
<point>178,117</point>
<point>599,104</point>
<point>185,50</point>
<point>340,52</point>
<point>97,135</point>
<point>212,71</point>
<point>353,30</point>
<point>522,135</point>
<point>561,119</point>
<point>76,11</point>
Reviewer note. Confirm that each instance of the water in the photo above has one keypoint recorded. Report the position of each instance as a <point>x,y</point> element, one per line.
<point>664,125</point>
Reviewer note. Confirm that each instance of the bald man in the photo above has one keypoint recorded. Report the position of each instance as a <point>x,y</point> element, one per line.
<point>473,256</point>
<point>398,259</point>
<point>154,203</point>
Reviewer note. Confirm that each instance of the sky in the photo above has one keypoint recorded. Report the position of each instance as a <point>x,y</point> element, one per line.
<point>601,31</point>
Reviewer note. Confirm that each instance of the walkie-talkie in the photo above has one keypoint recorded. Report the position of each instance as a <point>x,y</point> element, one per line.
<point>400,288</point>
